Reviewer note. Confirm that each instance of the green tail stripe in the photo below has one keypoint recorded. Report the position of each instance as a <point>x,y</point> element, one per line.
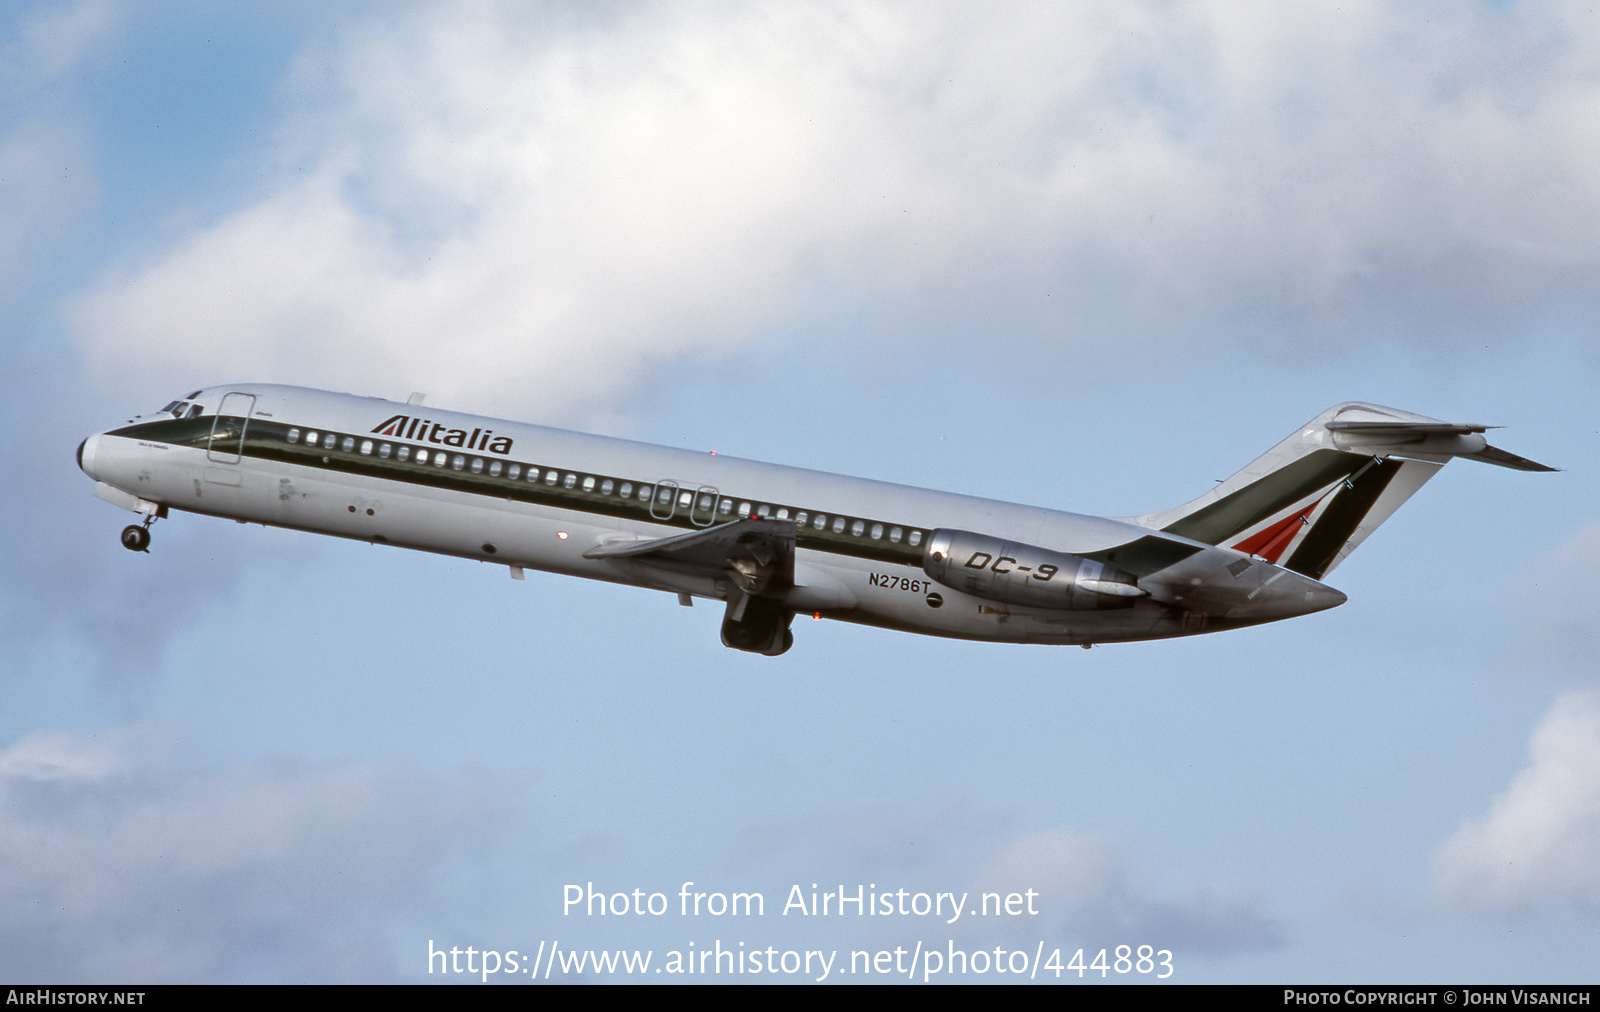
<point>1321,544</point>
<point>1241,510</point>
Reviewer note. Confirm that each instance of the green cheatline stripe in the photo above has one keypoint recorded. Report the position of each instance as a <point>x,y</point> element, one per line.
<point>266,440</point>
<point>1339,520</point>
<point>1239,511</point>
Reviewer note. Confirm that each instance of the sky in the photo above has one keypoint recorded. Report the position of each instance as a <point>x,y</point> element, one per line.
<point>1089,257</point>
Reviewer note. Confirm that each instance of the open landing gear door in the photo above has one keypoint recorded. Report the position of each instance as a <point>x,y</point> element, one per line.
<point>755,559</point>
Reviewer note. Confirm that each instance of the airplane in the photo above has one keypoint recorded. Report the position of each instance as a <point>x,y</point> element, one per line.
<point>770,542</point>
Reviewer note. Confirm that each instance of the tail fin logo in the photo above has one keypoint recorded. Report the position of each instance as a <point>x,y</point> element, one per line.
<point>1269,542</point>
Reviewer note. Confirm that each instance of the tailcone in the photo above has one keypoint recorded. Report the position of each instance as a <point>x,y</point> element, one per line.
<point>1232,587</point>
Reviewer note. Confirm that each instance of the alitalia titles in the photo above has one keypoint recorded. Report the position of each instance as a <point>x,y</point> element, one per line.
<point>425,430</point>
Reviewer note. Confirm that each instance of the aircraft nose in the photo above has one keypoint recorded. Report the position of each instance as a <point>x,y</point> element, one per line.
<point>86,456</point>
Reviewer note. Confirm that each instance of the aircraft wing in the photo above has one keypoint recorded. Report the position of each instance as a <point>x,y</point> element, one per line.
<point>755,553</point>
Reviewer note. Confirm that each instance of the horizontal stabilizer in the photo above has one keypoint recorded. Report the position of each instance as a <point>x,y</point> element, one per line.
<point>1427,440</point>
<point>1495,455</point>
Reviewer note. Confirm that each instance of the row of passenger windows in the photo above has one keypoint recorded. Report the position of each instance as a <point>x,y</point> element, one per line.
<point>703,504</point>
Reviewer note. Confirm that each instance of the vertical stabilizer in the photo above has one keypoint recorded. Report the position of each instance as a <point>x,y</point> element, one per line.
<point>1309,501</point>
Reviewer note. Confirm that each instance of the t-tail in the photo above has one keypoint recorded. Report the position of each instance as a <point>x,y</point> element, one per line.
<point>1309,501</point>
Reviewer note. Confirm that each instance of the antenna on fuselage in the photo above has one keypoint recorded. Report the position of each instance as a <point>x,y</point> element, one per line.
<point>416,398</point>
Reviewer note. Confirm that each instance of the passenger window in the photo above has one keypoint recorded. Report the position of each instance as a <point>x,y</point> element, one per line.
<point>514,472</point>
<point>783,514</point>
<point>800,518</point>
<point>704,504</point>
<point>349,444</point>
<point>819,521</point>
<point>764,510</point>
<point>311,438</point>
<point>533,474</point>
<point>551,477</point>
<point>607,486</point>
<point>895,534</point>
<point>857,527</point>
<point>684,499</point>
<point>572,480</point>
<point>626,490</point>
<point>915,539</point>
<point>366,447</point>
<point>294,436</point>
<point>588,484</point>
<point>877,532</point>
<point>384,449</point>
<point>644,493</point>
<point>328,441</point>
<point>422,456</point>
<point>494,469</point>
<point>744,509</point>
<point>404,454</point>
<point>725,507</point>
<point>477,465</point>
<point>457,462</point>
<point>440,459</point>
<point>838,525</point>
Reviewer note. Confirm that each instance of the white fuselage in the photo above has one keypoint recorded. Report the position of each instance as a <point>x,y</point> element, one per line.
<point>456,484</point>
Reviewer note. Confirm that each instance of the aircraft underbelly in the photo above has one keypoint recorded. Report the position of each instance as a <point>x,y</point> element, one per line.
<point>904,598</point>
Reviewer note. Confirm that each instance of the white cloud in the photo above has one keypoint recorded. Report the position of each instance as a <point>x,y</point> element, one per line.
<point>56,38</point>
<point>1086,891</point>
<point>45,174</point>
<point>1540,843</point>
<point>57,756</point>
<point>501,204</point>
<point>118,867</point>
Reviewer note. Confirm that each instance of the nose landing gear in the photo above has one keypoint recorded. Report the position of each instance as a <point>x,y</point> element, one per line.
<point>136,537</point>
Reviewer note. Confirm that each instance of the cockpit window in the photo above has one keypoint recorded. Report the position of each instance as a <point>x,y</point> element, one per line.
<point>183,409</point>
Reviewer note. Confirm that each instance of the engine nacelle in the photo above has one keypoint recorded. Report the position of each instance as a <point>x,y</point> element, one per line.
<point>1028,575</point>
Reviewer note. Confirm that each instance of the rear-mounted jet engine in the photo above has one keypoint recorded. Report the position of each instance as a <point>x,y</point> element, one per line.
<point>1025,574</point>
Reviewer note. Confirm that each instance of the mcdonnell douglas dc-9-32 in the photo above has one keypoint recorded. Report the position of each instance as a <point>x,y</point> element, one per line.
<point>770,542</point>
